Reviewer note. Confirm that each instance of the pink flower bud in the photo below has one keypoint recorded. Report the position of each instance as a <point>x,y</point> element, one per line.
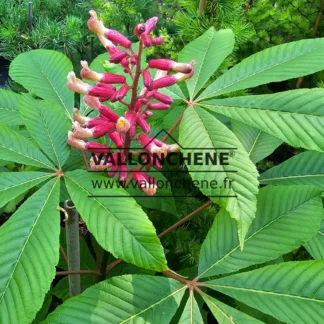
<point>106,85</point>
<point>100,91</point>
<point>141,122</point>
<point>89,74</point>
<point>75,142</point>
<point>132,131</point>
<point>158,106</point>
<point>111,78</point>
<point>102,129</point>
<point>145,183</point>
<point>95,147</point>
<point>162,97</point>
<point>138,106</point>
<point>125,123</point>
<point>133,60</point>
<point>150,24</point>
<point>146,40</point>
<point>122,92</point>
<point>113,170</point>
<point>147,114</point>
<point>108,113</point>
<point>95,25</point>
<point>149,145</point>
<point>117,57</point>
<point>139,29</point>
<point>118,38</point>
<point>92,122</point>
<point>148,82</point>
<point>117,139</point>
<point>122,173</point>
<point>157,41</point>
<point>167,65</point>
<point>124,62</point>
<point>164,82</point>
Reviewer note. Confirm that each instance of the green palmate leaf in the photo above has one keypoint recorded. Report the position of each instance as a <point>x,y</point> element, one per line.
<point>9,114</point>
<point>118,222</point>
<point>174,92</point>
<point>13,184</point>
<point>44,73</point>
<point>48,125</point>
<point>191,313</point>
<point>209,51</point>
<point>29,253</point>
<point>226,314</point>
<point>296,117</point>
<point>17,148</point>
<point>292,292</point>
<point>256,143</point>
<point>202,131</point>
<point>296,210</point>
<point>273,64</point>
<point>315,246</point>
<point>126,299</point>
<point>305,168</point>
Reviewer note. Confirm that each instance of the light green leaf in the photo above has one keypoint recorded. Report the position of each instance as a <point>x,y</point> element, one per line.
<point>174,92</point>
<point>296,210</point>
<point>126,299</point>
<point>209,51</point>
<point>191,313</point>
<point>274,64</point>
<point>202,131</point>
<point>29,253</point>
<point>48,125</point>
<point>296,117</point>
<point>9,114</point>
<point>17,148</point>
<point>44,73</point>
<point>13,184</point>
<point>292,292</point>
<point>118,222</point>
<point>226,314</point>
<point>256,143</point>
<point>315,246</point>
<point>306,168</point>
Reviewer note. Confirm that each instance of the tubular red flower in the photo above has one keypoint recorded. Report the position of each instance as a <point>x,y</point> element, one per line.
<point>75,142</point>
<point>162,97</point>
<point>92,122</point>
<point>165,82</point>
<point>117,139</point>
<point>122,92</point>
<point>111,78</point>
<point>148,145</point>
<point>110,47</point>
<point>167,65</point>
<point>99,91</point>
<point>150,24</point>
<point>79,118</point>
<point>148,82</point>
<point>141,122</point>
<point>146,40</point>
<point>157,41</point>
<point>158,106</point>
<point>117,57</point>
<point>145,183</point>
<point>118,38</point>
<point>95,147</point>
<point>123,173</point>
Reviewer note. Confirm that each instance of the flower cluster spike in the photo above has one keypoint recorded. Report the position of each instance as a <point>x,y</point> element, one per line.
<point>143,102</point>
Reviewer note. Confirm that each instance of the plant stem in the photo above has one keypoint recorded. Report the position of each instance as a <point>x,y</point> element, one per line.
<point>104,262</point>
<point>168,230</point>
<point>202,7</point>
<point>63,254</point>
<point>185,219</point>
<point>73,247</point>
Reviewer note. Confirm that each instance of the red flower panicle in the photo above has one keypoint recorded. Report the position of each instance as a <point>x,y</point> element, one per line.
<point>120,131</point>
